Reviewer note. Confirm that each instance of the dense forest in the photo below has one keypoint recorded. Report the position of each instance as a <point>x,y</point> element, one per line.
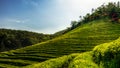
<point>13,39</point>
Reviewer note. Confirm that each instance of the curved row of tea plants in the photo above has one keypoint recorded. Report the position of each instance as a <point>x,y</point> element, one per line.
<point>105,55</point>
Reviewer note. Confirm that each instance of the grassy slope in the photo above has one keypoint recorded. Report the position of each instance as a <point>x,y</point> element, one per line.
<point>105,55</point>
<point>81,39</point>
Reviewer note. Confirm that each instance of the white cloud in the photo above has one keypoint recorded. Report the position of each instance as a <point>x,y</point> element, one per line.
<point>11,23</point>
<point>10,20</point>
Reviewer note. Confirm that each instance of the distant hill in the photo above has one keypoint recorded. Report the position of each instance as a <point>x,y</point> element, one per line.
<point>13,39</point>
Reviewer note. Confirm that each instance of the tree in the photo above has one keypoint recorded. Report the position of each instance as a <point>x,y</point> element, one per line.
<point>92,10</point>
<point>73,24</point>
<point>118,4</point>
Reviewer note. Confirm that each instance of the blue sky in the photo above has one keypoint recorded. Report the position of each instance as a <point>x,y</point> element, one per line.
<point>44,16</point>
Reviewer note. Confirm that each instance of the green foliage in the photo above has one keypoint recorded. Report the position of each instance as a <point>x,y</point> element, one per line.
<point>83,60</point>
<point>108,54</point>
<point>13,39</point>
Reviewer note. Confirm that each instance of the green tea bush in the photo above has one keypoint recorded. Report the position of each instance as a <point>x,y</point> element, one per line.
<point>108,54</point>
<point>61,62</point>
<point>83,60</point>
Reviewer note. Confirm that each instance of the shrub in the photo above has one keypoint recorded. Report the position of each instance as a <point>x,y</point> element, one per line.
<point>83,60</point>
<point>108,54</point>
<point>61,62</point>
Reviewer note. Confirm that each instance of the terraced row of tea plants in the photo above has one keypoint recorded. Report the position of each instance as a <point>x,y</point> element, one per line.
<point>105,55</point>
